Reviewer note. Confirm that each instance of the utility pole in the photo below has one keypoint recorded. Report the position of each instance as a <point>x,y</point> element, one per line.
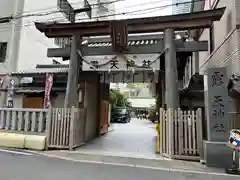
<point>75,64</point>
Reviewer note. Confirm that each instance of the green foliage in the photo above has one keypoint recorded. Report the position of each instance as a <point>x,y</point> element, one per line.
<point>117,99</point>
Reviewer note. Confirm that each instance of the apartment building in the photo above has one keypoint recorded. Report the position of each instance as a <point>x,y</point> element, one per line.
<point>184,6</point>
<point>224,44</point>
<point>21,45</point>
<point>224,38</point>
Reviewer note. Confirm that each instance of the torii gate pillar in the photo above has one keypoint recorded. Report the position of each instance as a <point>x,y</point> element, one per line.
<point>171,76</point>
<point>73,72</point>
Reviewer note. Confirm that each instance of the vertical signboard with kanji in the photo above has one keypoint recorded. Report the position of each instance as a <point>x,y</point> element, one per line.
<point>218,118</point>
<point>48,88</point>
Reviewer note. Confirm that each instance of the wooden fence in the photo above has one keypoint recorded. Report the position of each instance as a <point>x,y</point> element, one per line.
<point>77,128</point>
<point>25,120</point>
<point>181,134</point>
<point>66,128</point>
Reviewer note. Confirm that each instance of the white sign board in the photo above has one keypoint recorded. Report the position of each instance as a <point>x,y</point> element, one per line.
<point>122,63</point>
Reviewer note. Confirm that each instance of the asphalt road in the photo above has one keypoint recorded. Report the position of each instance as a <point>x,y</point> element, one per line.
<point>28,167</point>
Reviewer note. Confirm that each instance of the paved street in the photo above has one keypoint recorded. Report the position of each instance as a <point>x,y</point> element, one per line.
<point>28,167</point>
<point>137,138</point>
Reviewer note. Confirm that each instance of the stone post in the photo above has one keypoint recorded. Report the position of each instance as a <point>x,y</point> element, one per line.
<point>71,97</point>
<point>216,151</point>
<point>171,76</point>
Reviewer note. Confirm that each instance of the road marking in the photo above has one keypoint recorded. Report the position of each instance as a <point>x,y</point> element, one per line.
<point>16,152</point>
<point>86,161</point>
<point>186,171</point>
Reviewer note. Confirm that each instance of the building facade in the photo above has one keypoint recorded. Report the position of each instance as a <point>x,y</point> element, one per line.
<point>184,6</point>
<point>223,40</point>
<point>21,45</point>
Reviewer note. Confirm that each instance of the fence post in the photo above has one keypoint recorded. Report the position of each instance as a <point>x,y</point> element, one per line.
<point>48,127</point>
<point>71,132</point>
<point>84,123</point>
<point>199,132</point>
<point>161,129</point>
<point>170,132</point>
<point>180,131</point>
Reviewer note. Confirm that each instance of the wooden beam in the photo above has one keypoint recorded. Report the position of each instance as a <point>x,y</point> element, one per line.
<point>188,21</point>
<point>190,46</point>
<point>107,39</point>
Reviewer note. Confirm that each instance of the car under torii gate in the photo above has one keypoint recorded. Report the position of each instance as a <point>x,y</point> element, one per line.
<point>119,31</point>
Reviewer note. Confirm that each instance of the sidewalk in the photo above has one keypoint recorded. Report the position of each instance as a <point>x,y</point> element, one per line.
<point>157,163</point>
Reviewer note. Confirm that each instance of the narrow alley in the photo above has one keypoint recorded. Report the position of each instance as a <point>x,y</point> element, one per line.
<point>137,138</point>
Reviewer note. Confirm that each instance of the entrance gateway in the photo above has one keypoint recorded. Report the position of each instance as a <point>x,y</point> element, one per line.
<point>172,53</point>
<point>165,69</point>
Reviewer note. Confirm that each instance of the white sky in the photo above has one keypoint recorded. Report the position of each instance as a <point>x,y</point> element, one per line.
<point>142,8</point>
<point>134,8</point>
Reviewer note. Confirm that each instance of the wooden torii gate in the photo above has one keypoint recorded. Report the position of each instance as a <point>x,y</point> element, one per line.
<point>119,31</point>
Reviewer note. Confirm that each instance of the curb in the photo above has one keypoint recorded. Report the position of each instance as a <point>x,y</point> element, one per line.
<point>22,141</point>
<point>186,171</point>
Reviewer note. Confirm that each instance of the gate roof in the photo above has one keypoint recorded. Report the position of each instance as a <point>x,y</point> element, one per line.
<point>188,21</point>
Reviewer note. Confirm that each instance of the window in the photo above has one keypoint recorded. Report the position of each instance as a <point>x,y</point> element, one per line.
<point>3,51</point>
<point>211,38</point>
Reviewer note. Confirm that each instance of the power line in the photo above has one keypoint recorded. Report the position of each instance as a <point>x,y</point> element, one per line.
<point>110,15</point>
<point>125,13</point>
<point>74,3</point>
<point>57,11</point>
<point>53,12</point>
<point>141,4</point>
<point>22,15</point>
